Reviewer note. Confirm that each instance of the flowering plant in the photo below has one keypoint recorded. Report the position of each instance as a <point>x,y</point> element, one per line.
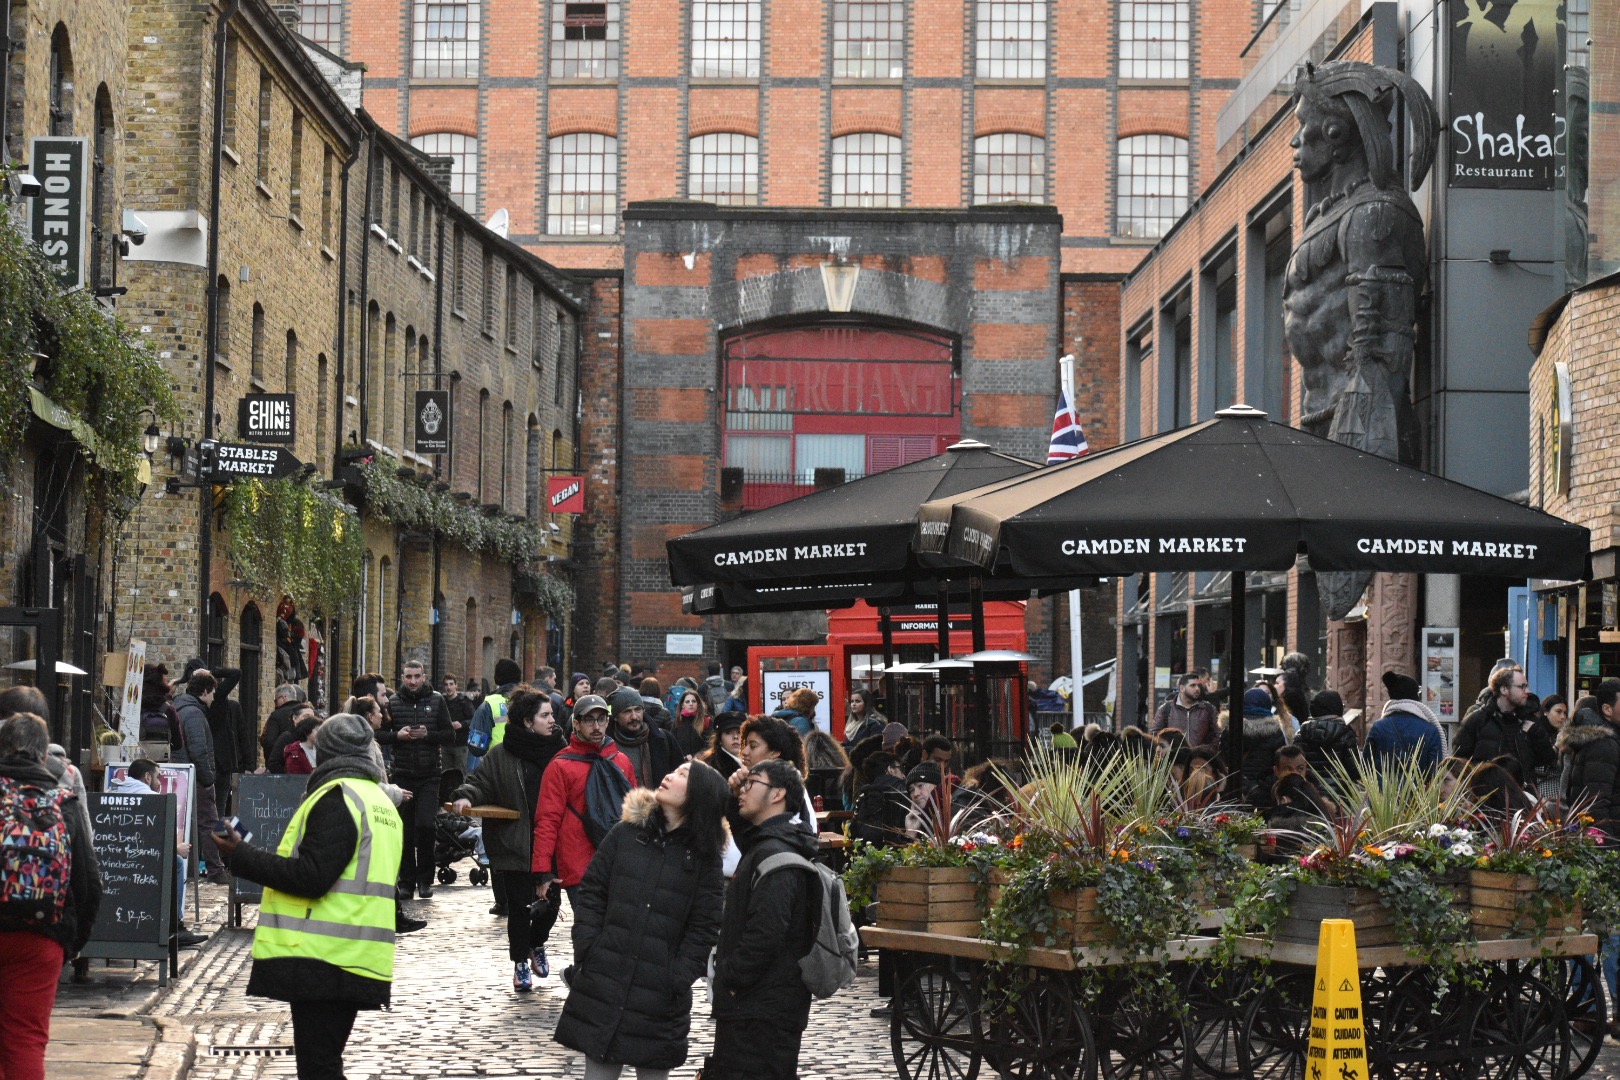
<point>1564,852</point>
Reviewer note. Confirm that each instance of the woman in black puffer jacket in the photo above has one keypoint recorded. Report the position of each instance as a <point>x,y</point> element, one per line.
<point>645,918</point>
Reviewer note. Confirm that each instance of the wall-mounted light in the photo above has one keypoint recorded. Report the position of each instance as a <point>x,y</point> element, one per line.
<point>838,280</point>
<point>151,438</point>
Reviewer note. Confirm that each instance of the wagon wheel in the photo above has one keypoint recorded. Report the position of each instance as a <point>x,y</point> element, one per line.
<point>1141,1039</point>
<point>1519,1031</point>
<point>935,1028</point>
<point>1272,1035</point>
<point>1044,1035</point>
<point>1215,1002</point>
<point>1410,1034</point>
<point>1579,985</point>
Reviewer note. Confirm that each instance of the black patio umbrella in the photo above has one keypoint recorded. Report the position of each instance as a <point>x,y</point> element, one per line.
<point>1242,493</point>
<point>859,532</point>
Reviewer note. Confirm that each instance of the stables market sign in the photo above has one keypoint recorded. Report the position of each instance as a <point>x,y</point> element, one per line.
<point>225,463</point>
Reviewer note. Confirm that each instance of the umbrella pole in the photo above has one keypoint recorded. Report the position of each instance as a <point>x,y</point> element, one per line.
<point>976,601</point>
<point>886,622</point>
<point>944,620</point>
<point>1234,682</point>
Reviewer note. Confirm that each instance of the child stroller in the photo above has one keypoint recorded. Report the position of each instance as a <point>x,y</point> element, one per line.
<point>456,838</point>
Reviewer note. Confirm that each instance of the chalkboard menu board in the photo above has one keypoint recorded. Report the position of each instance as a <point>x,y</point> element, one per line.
<point>134,838</point>
<point>265,803</point>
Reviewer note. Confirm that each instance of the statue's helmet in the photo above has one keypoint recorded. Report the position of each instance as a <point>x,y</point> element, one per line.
<point>1365,94</point>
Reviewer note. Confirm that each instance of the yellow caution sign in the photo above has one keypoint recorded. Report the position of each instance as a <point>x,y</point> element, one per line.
<point>1338,1041</point>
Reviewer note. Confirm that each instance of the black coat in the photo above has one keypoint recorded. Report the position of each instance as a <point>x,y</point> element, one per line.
<point>417,759</point>
<point>277,724</point>
<point>765,929</point>
<point>1590,749</point>
<point>84,884</point>
<point>231,753</point>
<point>509,775</point>
<point>1487,733</point>
<point>1262,737</point>
<point>880,812</point>
<point>330,838</point>
<point>461,712</point>
<point>645,918</point>
<point>1324,739</point>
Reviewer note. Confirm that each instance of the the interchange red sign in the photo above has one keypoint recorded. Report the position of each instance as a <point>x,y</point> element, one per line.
<point>565,494</point>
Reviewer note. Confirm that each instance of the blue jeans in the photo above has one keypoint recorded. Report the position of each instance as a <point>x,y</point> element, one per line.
<point>1611,966</point>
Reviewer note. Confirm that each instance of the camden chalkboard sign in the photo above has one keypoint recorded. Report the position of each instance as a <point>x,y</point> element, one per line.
<point>265,803</point>
<point>134,838</point>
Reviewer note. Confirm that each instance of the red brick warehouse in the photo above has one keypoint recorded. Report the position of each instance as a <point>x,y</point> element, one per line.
<point>861,130</point>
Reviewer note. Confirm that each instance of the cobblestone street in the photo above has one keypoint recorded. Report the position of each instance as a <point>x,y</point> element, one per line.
<point>454,1012</point>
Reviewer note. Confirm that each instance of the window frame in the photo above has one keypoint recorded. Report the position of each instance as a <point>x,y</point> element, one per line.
<point>988,151</point>
<point>740,178</point>
<point>569,54</point>
<point>463,163</point>
<point>1132,219</point>
<point>1007,54</point>
<point>1137,20</point>
<point>886,49</point>
<point>431,63</point>
<point>894,173</point>
<point>713,53</point>
<point>560,151</point>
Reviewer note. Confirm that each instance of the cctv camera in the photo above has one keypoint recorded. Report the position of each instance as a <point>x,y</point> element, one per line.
<point>26,185</point>
<point>135,229</point>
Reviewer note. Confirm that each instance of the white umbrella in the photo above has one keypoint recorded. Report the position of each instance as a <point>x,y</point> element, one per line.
<point>62,667</point>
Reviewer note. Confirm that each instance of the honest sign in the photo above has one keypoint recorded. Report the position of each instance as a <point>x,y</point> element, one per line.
<point>57,221</point>
<point>265,418</point>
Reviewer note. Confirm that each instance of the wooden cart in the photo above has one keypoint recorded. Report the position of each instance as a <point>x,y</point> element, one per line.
<point>1053,1029</point>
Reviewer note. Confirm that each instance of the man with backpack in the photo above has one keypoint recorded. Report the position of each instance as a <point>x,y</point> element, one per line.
<point>581,795</point>
<point>716,689</point>
<point>770,920</point>
<point>489,718</point>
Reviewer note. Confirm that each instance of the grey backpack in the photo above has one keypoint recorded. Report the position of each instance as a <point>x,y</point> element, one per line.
<point>829,966</point>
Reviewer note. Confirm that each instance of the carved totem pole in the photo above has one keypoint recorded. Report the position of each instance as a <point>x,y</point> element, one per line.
<point>1351,291</point>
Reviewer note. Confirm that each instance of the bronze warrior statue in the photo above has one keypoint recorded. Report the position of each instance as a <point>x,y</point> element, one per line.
<point>1350,295</point>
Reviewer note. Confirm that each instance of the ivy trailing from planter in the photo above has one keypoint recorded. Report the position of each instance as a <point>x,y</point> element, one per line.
<point>93,365</point>
<point>285,539</point>
<point>550,592</point>
<point>409,505</point>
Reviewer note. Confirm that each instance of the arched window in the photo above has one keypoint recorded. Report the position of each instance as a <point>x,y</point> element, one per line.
<point>103,229</point>
<point>61,83</point>
<point>385,610</point>
<point>483,440</point>
<point>1154,39</point>
<point>723,167</point>
<point>250,651</point>
<point>1009,167</point>
<point>582,185</point>
<point>386,394</point>
<point>1151,171</point>
<point>291,367</point>
<point>258,343</point>
<point>470,640</point>
<point>532,467</point>
<point>218,617</point>
<point>508,454</point>
<point>462,150</point>
<point>866,170</point>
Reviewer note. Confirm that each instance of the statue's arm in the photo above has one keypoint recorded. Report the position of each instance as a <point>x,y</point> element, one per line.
<point>1382,292</point>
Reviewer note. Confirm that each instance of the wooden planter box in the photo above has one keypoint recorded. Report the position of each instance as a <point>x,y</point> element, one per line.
<point>1502,907</point>
<point>1078,920</point>
<point>1375,924</point>
<point>934,899</point>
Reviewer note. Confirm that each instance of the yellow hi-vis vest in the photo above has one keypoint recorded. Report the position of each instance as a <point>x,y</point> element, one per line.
<point>497,715</point>
<point>352,926</point>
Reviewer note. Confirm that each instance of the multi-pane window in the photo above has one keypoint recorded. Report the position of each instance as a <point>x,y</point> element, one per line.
<point>462,150</point>
<point>444,39</point>
<point>725,39</point>
<point>582,185</point>
<point>267,85</point>
<point>1011,39</point>
<point>723,167</point>
<point>322,22</point>
<point>866,170</point>
<point>868,39</point>
<point>584,40</point>
<point>489,293</point>
<point>328,163</point>
<point>1154,39</point>
<point>1151,171</point>
<point>295,168</point>
<point>1009,167</point>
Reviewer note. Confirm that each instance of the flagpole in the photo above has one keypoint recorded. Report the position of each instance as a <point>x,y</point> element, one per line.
<point>1076,644</point>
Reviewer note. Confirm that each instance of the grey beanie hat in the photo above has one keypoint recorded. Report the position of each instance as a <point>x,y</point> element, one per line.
<point>342,734</point>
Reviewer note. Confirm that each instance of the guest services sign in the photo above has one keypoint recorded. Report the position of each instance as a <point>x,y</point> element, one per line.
<point>56,218</point>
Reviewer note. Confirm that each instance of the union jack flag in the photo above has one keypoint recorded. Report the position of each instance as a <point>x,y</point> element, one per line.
<point>1068,438</point>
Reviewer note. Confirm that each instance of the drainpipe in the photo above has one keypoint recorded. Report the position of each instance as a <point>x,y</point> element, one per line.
<point>342,356</point>
<point>364,315</point>
<point>205,494</point>
<point>436,631</point>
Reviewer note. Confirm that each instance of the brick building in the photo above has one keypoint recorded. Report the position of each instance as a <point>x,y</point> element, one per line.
<point>591,117</point>
<point>236,286</point>
<point>1201,327</point>
<point>435,300</point>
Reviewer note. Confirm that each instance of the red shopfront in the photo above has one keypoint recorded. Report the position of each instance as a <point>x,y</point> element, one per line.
<point>853,656</point>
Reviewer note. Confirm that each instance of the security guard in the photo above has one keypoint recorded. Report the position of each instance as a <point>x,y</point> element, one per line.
<point>489,720</point>
<point>325,942</point>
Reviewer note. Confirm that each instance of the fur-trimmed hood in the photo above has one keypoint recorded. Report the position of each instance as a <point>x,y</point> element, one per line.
<point>1584,728</point>
<point>639,807</point>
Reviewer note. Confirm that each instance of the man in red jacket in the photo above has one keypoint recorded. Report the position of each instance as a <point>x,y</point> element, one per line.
<point>562,848</point>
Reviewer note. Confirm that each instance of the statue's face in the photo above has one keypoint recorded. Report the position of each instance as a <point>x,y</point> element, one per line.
<point>1313,154</point>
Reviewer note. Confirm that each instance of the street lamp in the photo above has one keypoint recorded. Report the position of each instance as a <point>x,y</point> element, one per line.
<point>150,438</point>
<point>838,280</point>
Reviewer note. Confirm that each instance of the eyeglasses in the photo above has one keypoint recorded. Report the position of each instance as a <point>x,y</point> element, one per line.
<point>591,718</point>
<point>756,780</point>
<point>1521,686</point>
